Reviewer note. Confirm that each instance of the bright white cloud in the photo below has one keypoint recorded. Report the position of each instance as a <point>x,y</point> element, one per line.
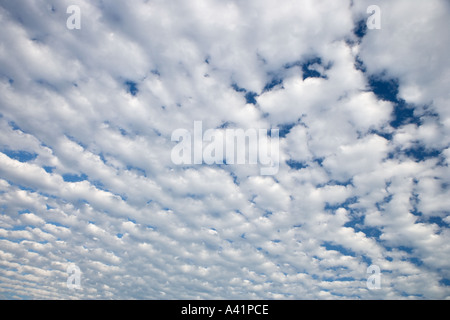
<point>86,176</point>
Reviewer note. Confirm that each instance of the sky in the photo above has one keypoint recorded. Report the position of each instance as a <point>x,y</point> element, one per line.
<point>87,178</point>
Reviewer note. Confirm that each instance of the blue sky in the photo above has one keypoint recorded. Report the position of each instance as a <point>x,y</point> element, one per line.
<point>86,176</point>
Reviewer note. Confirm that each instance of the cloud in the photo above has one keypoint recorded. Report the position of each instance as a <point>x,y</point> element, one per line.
<point>86,176</point>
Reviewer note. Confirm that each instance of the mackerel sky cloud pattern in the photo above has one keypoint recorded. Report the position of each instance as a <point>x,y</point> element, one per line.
<point>87,180</point>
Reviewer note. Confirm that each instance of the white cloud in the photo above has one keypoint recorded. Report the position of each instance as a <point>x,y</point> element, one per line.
<point>86,176</point>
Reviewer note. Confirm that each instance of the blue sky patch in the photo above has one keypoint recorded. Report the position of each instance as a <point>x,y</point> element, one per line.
<point>297,165</point>
<point>48,169</point>
<point>69,177</point>
<point>285,129</point>
<point>360,29</point>
<point>336,247</point>
<point>20,155</point>
<point>132,87</point>
<point>250,96</point>
<point>272,84</point>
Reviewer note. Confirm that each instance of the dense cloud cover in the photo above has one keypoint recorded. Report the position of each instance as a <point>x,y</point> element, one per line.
<point>86,175</point>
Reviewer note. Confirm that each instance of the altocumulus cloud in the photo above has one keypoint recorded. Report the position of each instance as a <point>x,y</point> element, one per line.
<point>86,177</point>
